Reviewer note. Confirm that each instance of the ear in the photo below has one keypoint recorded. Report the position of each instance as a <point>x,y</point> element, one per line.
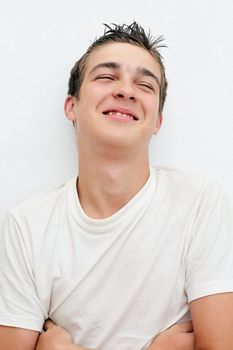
<point>158,123</point>
<point>69,108</point>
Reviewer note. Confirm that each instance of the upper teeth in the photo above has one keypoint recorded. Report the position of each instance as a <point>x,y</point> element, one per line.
<point>119,114</point>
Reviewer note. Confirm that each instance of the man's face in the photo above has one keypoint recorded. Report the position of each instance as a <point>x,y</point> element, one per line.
<point>118,103</point>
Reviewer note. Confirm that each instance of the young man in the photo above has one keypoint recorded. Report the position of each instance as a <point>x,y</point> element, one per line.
<point>124,251</point>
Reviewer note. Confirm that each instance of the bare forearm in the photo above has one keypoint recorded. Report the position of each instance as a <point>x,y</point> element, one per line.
<point>178,337</point>
<point>56,338</point>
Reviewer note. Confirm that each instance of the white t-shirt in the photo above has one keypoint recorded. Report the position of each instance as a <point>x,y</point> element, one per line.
<point>116,283</point>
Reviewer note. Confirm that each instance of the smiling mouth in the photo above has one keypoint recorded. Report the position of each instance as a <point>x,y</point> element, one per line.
<point>119,115</point>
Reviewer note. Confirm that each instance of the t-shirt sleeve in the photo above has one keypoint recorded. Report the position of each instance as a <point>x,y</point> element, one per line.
<point>209,261</point>
<point>19,302</point>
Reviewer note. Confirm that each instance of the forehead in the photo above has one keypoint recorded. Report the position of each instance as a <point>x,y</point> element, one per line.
<point>128,56</point>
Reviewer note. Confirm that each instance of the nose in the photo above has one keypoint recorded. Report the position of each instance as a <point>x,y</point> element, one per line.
<point>124,90</point>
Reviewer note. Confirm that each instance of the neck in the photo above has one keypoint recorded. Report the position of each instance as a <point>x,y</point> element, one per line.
<point>107,183</point>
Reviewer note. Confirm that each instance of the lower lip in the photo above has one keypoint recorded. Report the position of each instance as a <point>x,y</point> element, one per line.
<point>117,118</point>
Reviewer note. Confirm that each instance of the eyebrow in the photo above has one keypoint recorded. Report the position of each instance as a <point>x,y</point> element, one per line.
<point>148,73</point>
<point>114,65</point>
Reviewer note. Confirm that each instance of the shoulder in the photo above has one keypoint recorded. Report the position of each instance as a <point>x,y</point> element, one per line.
<point>191,187</point>
<point>42,205</point>
<point>180,180</point>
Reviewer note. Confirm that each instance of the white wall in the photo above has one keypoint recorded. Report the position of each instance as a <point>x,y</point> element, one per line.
<point>40,41</point>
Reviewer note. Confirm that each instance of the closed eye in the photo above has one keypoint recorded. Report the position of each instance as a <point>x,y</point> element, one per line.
<point>147,86</point>
<point>105,77</point>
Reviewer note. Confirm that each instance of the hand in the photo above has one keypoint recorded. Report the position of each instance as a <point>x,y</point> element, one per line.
<point>55,338</point>
<point>178,337</point>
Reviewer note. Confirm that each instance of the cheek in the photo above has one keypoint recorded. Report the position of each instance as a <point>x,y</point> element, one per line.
<point>94,96</point>
<point>151,105</point>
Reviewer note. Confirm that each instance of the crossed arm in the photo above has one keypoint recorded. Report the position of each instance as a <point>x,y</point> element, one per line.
<point>212,318</point>
<point>178,337</point>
